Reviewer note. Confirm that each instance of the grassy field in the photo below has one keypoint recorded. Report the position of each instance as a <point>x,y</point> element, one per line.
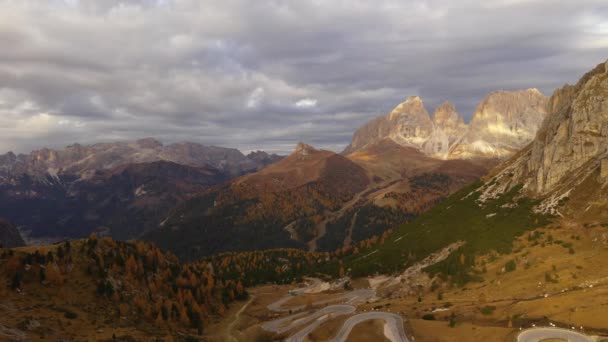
<point>549,284</point>
<point>492,226</point>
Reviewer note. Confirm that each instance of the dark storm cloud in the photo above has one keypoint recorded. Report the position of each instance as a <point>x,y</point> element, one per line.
<point>266,74</point>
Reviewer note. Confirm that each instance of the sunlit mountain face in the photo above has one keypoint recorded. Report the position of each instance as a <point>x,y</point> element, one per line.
<point>178,170</point>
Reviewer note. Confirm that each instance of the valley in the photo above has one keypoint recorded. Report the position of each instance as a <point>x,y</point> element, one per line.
<point>423,229</point>
<point>304,171</point>
<point>547,288</point>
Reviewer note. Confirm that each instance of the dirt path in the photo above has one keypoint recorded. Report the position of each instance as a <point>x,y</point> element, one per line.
<point>230,328</point>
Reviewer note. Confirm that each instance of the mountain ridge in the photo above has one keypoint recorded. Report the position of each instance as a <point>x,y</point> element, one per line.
<point>83,159</point>
<point>568,158</point>
<point>316,198</point>
<point>504,121</point>
<point>122,188</point>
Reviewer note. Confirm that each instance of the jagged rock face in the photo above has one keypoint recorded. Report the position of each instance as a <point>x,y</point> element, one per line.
<point>409,124</point>
<point>504,122</point>
<point>449,128</point>
<point>566,165</point>
<point>574,135</point>
<point>303,150</point>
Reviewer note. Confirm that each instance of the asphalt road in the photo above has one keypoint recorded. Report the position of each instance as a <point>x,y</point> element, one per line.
<point>280,325</point>
<point>539,334</point>
<point>393,328</point>
<point>353,297</point>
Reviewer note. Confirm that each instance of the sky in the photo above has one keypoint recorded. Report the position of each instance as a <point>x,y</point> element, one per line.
<point>266,74</point>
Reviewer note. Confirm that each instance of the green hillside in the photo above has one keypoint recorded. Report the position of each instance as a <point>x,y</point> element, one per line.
<point>490,227</point>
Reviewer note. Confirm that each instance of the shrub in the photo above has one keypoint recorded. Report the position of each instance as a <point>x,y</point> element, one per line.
<point>510,266</point>
<point>428,317</point>
<point>488,310</point>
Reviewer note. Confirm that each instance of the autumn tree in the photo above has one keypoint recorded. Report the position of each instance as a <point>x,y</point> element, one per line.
<point>131,266</point>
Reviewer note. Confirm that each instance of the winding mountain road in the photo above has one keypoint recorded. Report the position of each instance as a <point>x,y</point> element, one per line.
<point>280,326</point>
<point>393,326</point>
<point>541,334</point>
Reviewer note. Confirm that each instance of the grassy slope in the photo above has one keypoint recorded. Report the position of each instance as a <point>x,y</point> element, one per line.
<point>457,218</point>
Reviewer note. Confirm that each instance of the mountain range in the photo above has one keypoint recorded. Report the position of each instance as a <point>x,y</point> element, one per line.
<point>214,199</point>
<point>567,164</point>
<point>396,167</point>
<point>479,231</point>
<point>525,246</point>
<point>503,123</point>
<point>123,189</point>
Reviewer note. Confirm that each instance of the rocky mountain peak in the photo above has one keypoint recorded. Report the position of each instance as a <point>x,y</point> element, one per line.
<point>449,129</point>
<point>569,156</point>
<point>574,135</point>
<point>446,115</point>
<point>503,123</point>
<point>303,149</point>
<point>412,106</point>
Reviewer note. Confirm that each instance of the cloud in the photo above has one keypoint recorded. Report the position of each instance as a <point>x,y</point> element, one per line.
<point>255,98</point>
<point>255,75</point>
<point>306,103</point>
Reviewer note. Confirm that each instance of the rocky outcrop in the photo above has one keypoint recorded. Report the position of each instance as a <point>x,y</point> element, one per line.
<point>9,235</point>
<point>408,124</point>
<point>504,122</point>
<point>564,169</point>
<point>449,129</point>
<point>572,142</point>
